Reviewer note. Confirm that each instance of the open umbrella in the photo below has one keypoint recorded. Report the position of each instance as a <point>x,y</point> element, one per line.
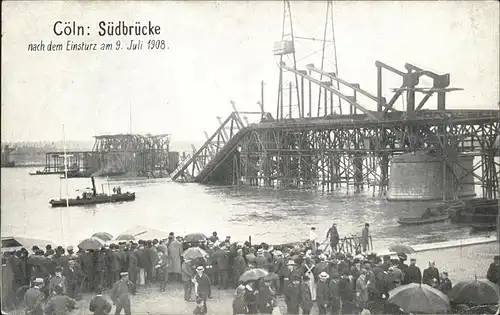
<point>478,292</point>
<point>91,243</point>
<point>419,298</point>
<point>253,274</point>
<point>194,237</point>
<point>125,237</point>
<point>194,252</point>
<point>401,248</point>
<point>103,236</point>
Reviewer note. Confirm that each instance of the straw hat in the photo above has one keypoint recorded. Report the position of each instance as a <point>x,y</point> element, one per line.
<point>323,275</point>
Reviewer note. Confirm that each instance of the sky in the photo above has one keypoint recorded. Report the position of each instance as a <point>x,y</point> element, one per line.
<point>221,51</point>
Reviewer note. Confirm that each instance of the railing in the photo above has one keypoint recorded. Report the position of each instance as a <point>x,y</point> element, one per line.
<point>353,245</point>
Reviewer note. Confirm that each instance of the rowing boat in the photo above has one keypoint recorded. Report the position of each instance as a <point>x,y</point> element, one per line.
<point>418,221</point>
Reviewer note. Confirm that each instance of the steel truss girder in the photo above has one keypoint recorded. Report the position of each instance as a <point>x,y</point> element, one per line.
<point>326,157</point>
<point>194,164</point>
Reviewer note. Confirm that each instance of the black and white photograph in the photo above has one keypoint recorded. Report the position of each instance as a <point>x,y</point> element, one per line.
<point>250,157</point>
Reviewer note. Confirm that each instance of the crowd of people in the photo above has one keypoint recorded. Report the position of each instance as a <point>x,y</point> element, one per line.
<point>304,274</point>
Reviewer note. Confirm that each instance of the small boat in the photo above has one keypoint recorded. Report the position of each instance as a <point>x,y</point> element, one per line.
<point>92,198</point>
<point>486,227</point>
<point>418,221</point>
<point>77,174</point>
<point>45,172</point>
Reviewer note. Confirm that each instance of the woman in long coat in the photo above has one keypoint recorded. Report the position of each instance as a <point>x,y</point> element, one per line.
<point>174,253</point>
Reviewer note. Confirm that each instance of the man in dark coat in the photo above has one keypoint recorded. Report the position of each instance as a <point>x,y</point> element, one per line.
<point>223,265</point>
<point>203,285</point>
<point>239,305</point>
<point>143,259</point>
<point>86,262</point>
<point>59,304</point>
<point>365,237</point>
<point>153,260</point>
<point>99,305</point>
<point>445,284</point>
<point>58,280</point>
<point>100,268</point>
<point>187,277</point>
<point>239,266</point>
<point>280,269</point>
<point>323,293</point>
<point>334,293</point>
<point>133,269</point>
<point>114,266</point>
<point>120,294</point>
<point>306,302</point>
<point>291,271</point>
<point>402,266</point>
<point>266,297</point>
<point>431,274</point>
<point>493,273</point>
<point>74,277</point>
<point>34,298</point>
<point>346,292</point>
<point>292,295</point>
<point>413,274</point>
<point>334,237</point>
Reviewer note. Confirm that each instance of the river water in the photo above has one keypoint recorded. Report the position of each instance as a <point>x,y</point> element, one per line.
<point>265,214</point>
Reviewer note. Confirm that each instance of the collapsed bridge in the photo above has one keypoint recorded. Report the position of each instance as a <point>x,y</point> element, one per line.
<point>423,152</point>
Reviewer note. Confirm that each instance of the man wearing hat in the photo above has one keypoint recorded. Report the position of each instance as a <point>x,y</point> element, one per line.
<point>413,274</point>
<point>306,301</point>
<point>133,268</point>
<point>260,260</point>
<point>187,276</point>
<point>279,268</point>
<point>291,271</point>
<point>203,286</point>
<point>493,273</point>
<point>58,280</point>
<point>445,285</point>
<point>74,278</point>
<point>292,295</point>
<point>334,237</point>
<point>239,266</point>
<point>323,293</point>
<point>34,297</point>
<point>71,253</point>
<point>431,274</point>
<point>365,237</point>
<point>59,303</point>
<point>402,266</point>
<point>120,294</point>
<point>266,297</point>
<point>334,292</point>
<point>239,304</point>
<point>99,305</point>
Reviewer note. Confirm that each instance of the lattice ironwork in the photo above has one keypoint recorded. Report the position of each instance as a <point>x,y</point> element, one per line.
<point>354,150</point>
<point>212,151</point>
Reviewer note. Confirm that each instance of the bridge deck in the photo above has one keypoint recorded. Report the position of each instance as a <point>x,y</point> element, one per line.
<point>423,117</point>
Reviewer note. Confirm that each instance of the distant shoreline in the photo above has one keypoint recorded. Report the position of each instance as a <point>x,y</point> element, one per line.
<point>26,165</point>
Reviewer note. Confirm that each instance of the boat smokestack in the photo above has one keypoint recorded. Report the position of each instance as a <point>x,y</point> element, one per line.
<point>93,186</point>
